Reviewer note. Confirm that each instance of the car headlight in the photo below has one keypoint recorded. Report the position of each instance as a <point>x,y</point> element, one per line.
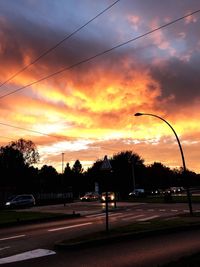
<point>7,203</point>
<point>103,198</point>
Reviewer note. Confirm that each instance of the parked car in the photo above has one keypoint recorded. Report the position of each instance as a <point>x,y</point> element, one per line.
<point>111,196</point>
<point>155,192</point>
<point>20,201</point>
<point>90,196</point>
<point>177,190</point>
<point>139,192</point>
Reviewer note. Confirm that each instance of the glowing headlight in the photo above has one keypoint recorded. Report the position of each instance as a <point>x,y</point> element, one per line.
<point>7,203</point>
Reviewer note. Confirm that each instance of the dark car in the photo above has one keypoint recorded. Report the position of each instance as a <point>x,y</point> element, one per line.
<point>20,201</point>
<point>111,196</point>
<point>90,196</point>
<point>138,192</point>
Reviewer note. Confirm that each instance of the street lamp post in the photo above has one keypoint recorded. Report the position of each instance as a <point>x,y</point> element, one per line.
<point>182,155</point>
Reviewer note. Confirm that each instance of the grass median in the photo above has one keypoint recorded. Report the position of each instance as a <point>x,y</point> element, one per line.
<point>136,229</point>
<point>12,217</point>
<point>161,199</point>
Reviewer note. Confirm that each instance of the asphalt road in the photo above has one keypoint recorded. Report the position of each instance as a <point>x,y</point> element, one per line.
<point>151,252</point>
<point>43,236</point>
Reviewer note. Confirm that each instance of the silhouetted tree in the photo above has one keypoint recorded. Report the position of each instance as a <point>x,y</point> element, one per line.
<point>28,150</point>
<point>49,179</point>
<point>12,167</point>
<point>122,177</point>
<point>159,176</point>
<point>77,178</point>
<point>77,167</point>
<point>67,176</point>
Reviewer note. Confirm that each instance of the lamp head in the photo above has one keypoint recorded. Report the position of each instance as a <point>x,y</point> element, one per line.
<point>138,114</point>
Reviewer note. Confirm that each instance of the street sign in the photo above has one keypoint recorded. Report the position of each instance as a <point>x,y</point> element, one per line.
<point>106,166</point>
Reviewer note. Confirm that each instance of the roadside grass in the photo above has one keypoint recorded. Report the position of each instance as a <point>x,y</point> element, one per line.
<point>12,216</point>
<point>161,199</point>
<point>136,229</point>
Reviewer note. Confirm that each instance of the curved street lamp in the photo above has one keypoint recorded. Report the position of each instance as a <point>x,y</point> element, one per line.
<point>182,155</point>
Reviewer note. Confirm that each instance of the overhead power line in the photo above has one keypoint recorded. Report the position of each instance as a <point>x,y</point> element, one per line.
<point>25,129</point>
<point>100,54</point>
<point>42,133</point>
<point>57,44</point>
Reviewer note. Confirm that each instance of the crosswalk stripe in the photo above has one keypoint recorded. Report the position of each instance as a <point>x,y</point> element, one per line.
<point>27,255</point>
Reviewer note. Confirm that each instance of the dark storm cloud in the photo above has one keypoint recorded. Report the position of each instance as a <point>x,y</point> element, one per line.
<point>179,79</point>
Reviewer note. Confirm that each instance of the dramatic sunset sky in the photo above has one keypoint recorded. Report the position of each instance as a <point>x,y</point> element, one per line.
<point>86,112</point>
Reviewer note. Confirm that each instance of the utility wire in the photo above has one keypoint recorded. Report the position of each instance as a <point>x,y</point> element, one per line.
<point>57,44</point>
<point>41,133</point>
<point>25,129</point>
<point>100,54</point>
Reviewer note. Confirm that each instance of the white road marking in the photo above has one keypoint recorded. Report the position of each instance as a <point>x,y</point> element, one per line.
<point>4,248</point>
<point>162,210</point>
<point>147,218</point>
<point>27,255</point>
<point>11,237</point>
<point>132,217</point>
<point>68,227</point>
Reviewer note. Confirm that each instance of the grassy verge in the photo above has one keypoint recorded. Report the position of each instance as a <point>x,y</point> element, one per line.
<point>8,217</point>
<point>136,229</point>
<point>160,199</point>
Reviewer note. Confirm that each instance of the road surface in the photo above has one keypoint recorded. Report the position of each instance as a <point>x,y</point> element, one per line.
<point>31,238</point>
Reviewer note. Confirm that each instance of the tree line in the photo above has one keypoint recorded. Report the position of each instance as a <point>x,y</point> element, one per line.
<point>18,175</point>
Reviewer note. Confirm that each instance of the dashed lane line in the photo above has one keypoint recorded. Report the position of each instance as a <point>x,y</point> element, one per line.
<point>11,237</point>
<point>68,227</point>
<point>95,215</point>
<point>27,255</point>
<point>147,218</point>
<point>115,214</point>
<point>103,215</point>
<point>132,217</point>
